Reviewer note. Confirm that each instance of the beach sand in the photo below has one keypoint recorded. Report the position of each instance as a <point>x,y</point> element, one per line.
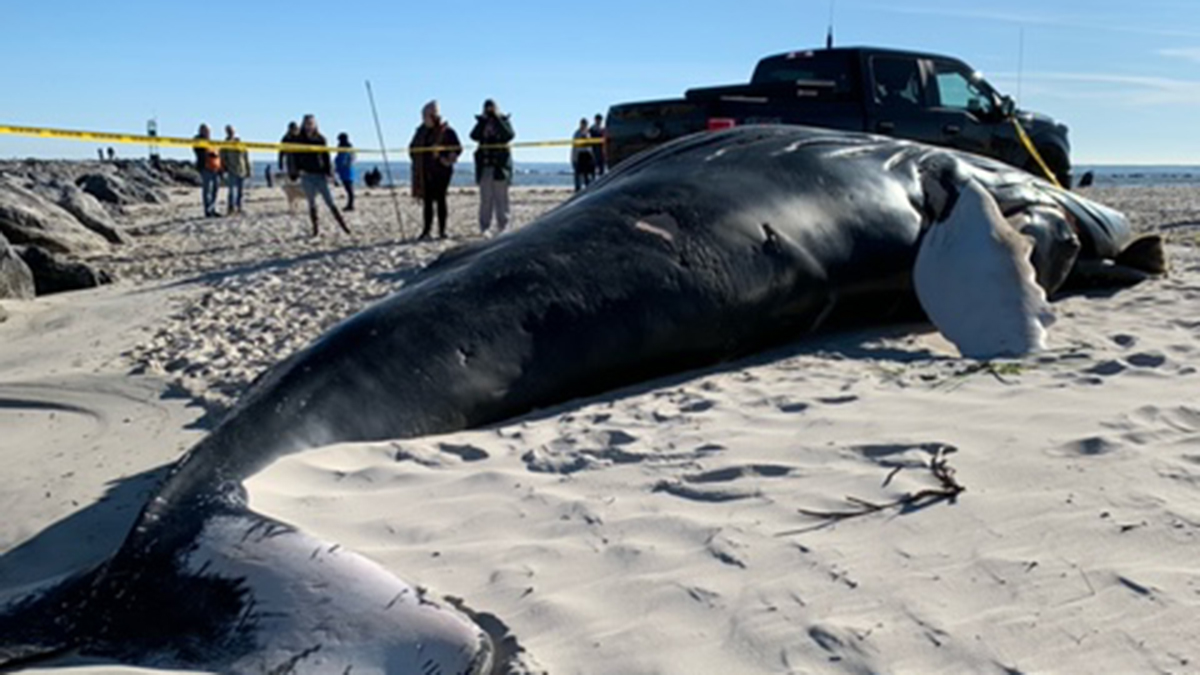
<point>666,527</point>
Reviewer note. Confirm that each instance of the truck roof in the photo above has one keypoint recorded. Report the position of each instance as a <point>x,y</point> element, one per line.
<point>858,50</point>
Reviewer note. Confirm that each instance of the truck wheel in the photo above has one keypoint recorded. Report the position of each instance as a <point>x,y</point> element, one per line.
<point>1058,163</point>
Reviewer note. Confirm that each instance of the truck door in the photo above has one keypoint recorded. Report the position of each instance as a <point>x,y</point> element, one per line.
<point>899,99</point>
<point>964,112</point>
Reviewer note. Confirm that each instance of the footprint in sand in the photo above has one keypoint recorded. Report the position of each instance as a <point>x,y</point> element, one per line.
<point>1106,368</point>
<point>1123,340</point>
<point>1146,359</point>
<point>697,405</point>
<point>732,473</point>
<point>467,453</point>
<point>722,485</point>
<point>1149,427</point>
<point>1092,446</point>
<point>792,407</point>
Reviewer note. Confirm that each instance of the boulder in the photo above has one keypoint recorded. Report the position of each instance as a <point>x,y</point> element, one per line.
<point>29,218</point>
<point>55,274</point>
<point>108,189</point>
<point>16,279</point>
<point>182,173</point>
<point>113,189</point>
<point>90,213</point>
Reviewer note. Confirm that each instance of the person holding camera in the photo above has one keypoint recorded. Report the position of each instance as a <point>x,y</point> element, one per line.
<point>493,165</point>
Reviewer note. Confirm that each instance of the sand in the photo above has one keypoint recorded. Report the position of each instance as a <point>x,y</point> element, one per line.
<point>667,527</point>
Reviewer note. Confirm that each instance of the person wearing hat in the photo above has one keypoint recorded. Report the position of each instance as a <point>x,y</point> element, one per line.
<point>493,165</point>
<point>343,164</point>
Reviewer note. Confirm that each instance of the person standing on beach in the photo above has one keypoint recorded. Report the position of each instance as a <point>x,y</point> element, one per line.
<point>343,164</point>
<point>582,159</point>
<point>493,165</point>
<point>208,163</point>
<point>287,162</point>
<point>434,150</point>
<point>314,170</point>
<point>236,164</point>
<point>597,132</point>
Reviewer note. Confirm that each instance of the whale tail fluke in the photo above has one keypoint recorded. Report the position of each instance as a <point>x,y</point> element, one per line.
<point>243,594</point>
<point>37,624</point>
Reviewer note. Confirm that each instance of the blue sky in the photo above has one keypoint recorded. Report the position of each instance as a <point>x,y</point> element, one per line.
<point>1125,76</point>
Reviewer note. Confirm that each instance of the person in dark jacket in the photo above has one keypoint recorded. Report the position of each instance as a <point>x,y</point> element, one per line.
<point>597,131</point>
<point>493,165</point>
<point>434,150</point>
<point>314,170</point>
<point>582,159</point>
<point>236,165</point>
<point>286,163</point>
<point>207,163</point>
<point>343,164</point>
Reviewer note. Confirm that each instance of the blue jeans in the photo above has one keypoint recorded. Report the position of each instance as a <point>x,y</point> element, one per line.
<point>209,180</point>
<point>235,191</point>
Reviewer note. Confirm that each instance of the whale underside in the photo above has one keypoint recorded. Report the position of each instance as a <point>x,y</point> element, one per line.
<point>705,249</point>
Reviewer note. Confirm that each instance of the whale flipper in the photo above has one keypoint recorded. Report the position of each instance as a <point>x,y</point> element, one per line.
<point>974,279</point>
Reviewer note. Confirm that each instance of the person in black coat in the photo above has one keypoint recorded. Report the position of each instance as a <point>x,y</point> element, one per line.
<point>315,172</point>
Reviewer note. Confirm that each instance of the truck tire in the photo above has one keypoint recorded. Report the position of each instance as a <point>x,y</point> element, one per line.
<point>1058,163</point>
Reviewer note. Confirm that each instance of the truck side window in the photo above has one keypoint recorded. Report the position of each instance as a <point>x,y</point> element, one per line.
<point>897,81</point>
<point>833,71</point>
<point>957,89</point>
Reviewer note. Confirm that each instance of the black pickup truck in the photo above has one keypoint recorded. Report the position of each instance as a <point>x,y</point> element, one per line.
<point>924,97</point>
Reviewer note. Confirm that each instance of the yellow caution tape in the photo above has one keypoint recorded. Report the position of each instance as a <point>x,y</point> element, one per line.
<point>1037,156</point>
<point>250,146</point>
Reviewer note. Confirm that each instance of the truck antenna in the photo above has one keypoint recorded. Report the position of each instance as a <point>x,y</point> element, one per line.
<point>829,32</point>
<point>1020,59</point>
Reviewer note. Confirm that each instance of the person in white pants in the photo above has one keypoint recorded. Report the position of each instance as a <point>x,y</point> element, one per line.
<point>493,165</point>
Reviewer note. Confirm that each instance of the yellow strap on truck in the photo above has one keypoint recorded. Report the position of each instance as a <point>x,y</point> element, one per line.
<point>1037,156</point>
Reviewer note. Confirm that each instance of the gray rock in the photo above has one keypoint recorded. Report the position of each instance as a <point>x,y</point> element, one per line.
<point>108,189</point>
<point>28,218</point>
<point>16,279</point>
<point>90,213</point>
<point>181,173</point>
<point>55,274</point>
<point>112,188</point>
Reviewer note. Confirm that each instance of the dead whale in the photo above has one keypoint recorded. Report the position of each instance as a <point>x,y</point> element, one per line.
<point>708,248</point>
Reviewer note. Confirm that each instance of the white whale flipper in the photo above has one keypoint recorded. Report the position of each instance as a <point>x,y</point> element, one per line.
<point>975,282</point>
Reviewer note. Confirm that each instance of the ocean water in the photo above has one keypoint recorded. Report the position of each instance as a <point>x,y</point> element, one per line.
<point>1117,175</point>
<point>558,174</point>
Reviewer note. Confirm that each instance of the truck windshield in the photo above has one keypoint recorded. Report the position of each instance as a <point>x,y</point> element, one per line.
<point>962,89</point>
<point>829,69</point>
